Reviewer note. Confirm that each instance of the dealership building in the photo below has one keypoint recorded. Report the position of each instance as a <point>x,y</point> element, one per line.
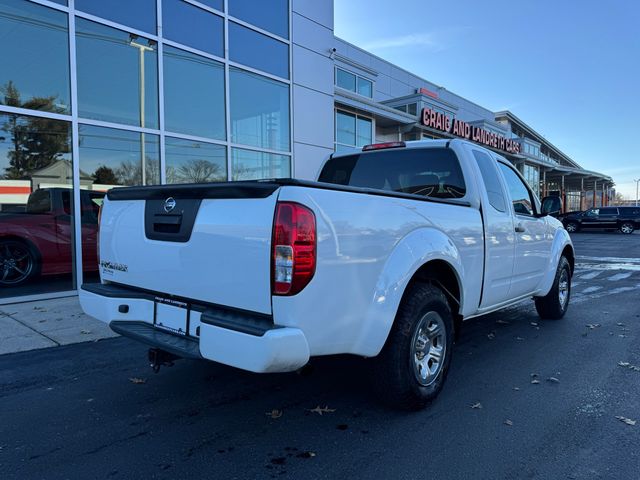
<point>100,94</point>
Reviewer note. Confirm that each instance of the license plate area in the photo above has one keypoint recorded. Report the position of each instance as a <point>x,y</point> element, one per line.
<point>171,315</point>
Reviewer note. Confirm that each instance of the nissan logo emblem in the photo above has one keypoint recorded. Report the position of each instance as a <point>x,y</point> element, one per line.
<point>169,204</point>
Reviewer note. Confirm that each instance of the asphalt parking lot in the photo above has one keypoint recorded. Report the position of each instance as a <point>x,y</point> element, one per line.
<point>525,398</point>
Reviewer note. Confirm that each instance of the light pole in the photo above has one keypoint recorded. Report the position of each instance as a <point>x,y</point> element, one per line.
<point>141,49</point>
<point>637,182</point>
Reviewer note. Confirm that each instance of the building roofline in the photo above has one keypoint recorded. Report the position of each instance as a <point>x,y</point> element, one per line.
<point>412,74</point>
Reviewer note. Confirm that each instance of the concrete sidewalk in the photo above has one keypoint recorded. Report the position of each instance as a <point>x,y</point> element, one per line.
<point>47,323</point>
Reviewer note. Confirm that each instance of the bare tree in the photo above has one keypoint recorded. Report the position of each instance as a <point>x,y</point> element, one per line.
<point>200,171</point>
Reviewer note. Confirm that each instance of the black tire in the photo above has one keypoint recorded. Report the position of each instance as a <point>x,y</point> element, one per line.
<point>19,263</point>
<point>572,227</point>
<point>396,371</point>
<point>627,228</point>
<point>552,306</point>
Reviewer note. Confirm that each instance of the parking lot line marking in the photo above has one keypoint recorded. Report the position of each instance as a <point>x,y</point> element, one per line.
<point>591,289</point>
<point>619,276</point>
<point>609,259</point>
<point>589,276</point>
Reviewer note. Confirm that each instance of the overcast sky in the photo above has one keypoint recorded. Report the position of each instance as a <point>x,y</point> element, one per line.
<point>570,68</point>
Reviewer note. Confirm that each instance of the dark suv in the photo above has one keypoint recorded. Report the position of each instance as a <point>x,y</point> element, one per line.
<point>625,219</point>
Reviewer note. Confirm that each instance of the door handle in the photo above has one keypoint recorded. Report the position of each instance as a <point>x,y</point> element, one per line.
<point>520,228</point>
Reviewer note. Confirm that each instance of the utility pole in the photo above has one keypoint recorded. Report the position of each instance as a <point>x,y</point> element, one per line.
<point>637,182</point>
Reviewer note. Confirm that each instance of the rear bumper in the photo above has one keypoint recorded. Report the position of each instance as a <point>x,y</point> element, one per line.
<point>239,339</point>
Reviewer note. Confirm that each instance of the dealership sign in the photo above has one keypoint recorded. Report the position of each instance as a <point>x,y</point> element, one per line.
<point>440,121</point>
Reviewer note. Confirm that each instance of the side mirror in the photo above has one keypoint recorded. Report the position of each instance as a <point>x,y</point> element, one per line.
<point>551,206</point>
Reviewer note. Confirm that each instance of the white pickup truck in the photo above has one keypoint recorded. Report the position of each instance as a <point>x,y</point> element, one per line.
<point>383,257</point>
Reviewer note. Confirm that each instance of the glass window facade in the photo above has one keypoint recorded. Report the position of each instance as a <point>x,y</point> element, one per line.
<point>195,27</point>
<point>353,82</point>
<point>140,14</point>
<point>352,131</point>
<point>112,157</point>
<point>191,161</point>
<point>258,51</point>
<point>151,106</point>
<point>252,165</point>
<point>194,94</point>
<point>259,111</point>
<point>35,59</point>
<point>117,75</point>
<point>36,240</point>
<point>272,16</point>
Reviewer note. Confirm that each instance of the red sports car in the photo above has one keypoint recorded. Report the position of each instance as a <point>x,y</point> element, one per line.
<point>38,241</point>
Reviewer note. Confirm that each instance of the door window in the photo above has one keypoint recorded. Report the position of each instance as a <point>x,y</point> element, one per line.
<point>520,194</point>
<point>608,211</point>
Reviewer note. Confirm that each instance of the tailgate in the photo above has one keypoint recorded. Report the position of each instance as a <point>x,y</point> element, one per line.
<point>209,243</point>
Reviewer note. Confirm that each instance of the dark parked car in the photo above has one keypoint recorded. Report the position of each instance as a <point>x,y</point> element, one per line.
<point>625,219</point>
<point>38,240</point>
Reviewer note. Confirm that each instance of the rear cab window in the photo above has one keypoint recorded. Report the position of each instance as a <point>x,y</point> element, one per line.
<point>429,172</point>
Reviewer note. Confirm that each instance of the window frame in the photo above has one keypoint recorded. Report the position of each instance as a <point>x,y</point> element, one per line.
<point>358,77</point>
<point>357,117</point>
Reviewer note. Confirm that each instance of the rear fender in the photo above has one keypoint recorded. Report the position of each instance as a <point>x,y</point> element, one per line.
<point>411,253</point>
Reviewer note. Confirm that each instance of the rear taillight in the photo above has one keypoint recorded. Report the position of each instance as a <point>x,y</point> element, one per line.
<point>293,257</point>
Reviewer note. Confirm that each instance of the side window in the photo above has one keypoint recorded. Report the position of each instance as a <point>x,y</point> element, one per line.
<point>39,202</point>
<point>520,195</point>
<point>608,211</point>
<point>491,180</point>
<point>592,212</point>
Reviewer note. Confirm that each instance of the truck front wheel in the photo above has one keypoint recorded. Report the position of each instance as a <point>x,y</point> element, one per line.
<point>413,364</point>
<point>554,304</point>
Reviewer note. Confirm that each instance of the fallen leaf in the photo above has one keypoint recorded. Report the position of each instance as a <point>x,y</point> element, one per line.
<point>553,380</point>
<point>85,332</point>
<point>635,368</point>
<point>591,326</point>
<point>535,381</point>
<point>626,420</point>
<point>491,336</point>
<point>274,413</point>
<point>534,324</point>
<point>502,322</point>
<point>476,405</point>
<point>622,336</point>
<point>620,324</point>
<point>508,422</point>
<point>137,380</point>
<point>320,410</point>
<point>519,338</point>
<point>517,389</point>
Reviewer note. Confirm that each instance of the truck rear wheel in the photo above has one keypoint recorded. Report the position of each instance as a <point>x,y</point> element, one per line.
<point>554,305</point>
<point>413,364</point>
